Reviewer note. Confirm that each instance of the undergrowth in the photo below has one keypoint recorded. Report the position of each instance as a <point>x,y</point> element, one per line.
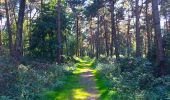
<point>131,79</point>
<point>29,81</point>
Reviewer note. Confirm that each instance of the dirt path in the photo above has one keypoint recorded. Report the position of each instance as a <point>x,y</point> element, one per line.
<point>87,81</point>
<point>79,86</point>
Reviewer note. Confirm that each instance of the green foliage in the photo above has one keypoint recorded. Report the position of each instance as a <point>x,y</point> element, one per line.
<point>43,42</point>
<point>91,10</point>
<point>29,82</point>
<point>166,43</point>
<point>131,79</point>
<point>86,61</point>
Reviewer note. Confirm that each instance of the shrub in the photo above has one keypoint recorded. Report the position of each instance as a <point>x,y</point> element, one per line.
<point>28,82</point>
<point>133,79</point>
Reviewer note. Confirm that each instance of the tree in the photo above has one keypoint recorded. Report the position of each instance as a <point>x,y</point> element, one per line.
<point>9,31</point>
<point>157,29</point>
<point>59,37</point>
<point>148,27</point>
<point>128,44</point>
<point>19,30</point>
<point>105,33</point>
<point>114,36</point>
<point>1,33</point>
<point>138,39</point>
<point>97,36</point>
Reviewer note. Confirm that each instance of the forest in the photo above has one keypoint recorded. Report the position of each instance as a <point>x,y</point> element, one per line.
<point>84,49</point>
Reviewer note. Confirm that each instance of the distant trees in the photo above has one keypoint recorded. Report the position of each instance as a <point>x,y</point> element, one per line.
<point>96,28</point>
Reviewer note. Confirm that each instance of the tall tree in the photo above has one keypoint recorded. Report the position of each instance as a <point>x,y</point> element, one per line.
<point>9,29</point>
<point>59,37</point>
<point>77,35</point>
<point>97,36</point>
<point>114,36</point>
<point>128,44</point>
<point>1,31</point>
<point>157,29</point>
<point>105,33</point>
<point>148,27</point>
<point>19,47</point>
<point>138,39</point>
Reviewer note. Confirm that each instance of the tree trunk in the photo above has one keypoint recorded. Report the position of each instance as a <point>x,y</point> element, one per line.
<point>128,37</point>
<point>157,29</point>
<point>81,43</point>
<point>59,37</point>
<point>91,38</point>
<point>106,38</point>
<point>9,30</point>
<point>105,33</point>
<point>1,37</point>
<point>19,45</point>
<point>30,23</point>
<point>148,29</point>
<point>77,36</point>
<point>138,39</point>
<point>114,37</point>
<point>166,24</point>
<point>97,36</point>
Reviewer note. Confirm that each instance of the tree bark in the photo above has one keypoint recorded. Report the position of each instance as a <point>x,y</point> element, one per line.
<point>157,29</point>
<point>105,33</point>
<point>138,39</point>
<point>91,38</point>
<point>148,29</point>
<point>59,36</point>
<point>19,45</point>
<point>128,44</point>
<point>9,30</point>
<point>97,36</point>
<point>106,38</point>
<point>1,37</point>
<point>114,37</point>
<point>77,36</point>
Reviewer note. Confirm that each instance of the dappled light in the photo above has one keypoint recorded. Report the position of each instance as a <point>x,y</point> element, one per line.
<point>79,86</point>
<point>84,49</point>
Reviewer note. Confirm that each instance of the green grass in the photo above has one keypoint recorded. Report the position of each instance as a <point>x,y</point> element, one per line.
<point>104,92</point>
<point>66,92</point>
<point>72,90</point>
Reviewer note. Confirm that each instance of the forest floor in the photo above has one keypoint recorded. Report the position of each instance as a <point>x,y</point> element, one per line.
<point>80,85</point>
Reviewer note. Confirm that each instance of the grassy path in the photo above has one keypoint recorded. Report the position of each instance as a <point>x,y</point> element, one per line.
<point>86,80</point>
<point>79,86</point>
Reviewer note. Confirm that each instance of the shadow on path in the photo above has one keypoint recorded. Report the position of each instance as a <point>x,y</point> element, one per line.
<point>79,86</point>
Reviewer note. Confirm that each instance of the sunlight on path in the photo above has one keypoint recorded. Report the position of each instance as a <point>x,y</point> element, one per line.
<point>80,86</point>
<point>86,80</point>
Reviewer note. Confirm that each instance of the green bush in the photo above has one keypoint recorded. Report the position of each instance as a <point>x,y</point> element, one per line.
<point>29,82</point>
<point>133,79</point>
